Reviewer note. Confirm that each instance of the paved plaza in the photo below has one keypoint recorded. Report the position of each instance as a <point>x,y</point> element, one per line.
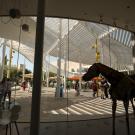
<point>69,107</point>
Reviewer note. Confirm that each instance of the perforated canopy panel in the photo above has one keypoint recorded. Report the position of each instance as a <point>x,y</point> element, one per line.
<point>79,40</point>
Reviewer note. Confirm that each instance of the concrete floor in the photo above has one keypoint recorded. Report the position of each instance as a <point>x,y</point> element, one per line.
<point>87,127</point>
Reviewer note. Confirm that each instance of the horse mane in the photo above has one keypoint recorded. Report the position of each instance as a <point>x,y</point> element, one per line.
<point>109,73</point>
<point>113,76</point>
<point>105,69</point>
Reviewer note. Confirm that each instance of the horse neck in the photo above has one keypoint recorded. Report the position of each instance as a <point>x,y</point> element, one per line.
<point>110,74</point>
<point>104,70</point>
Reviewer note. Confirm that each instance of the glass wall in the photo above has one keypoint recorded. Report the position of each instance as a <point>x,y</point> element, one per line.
<point>70,47</point>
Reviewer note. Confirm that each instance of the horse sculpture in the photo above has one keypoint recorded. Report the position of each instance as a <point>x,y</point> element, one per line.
<point>122,88</point>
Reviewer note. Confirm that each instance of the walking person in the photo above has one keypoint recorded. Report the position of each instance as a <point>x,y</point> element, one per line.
<point>7,90</point>
<point>24,85</point>
<point>104,88</point>
<point>68,85</point>
<point>61,90</point>
<point>77,88</point>
<point>2,87</point>
<point>28,85</point>
<point>94,86</point>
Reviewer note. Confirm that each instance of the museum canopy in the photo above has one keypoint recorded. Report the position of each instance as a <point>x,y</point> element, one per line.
<point>81,41</point>
<point>114,45</point>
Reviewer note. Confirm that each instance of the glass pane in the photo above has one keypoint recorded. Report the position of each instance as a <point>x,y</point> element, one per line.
<point>70,48</point>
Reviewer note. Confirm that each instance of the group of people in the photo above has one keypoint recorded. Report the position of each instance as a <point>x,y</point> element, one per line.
<point>5,90</point>
<point>103,85</point>
<point>96,85</point>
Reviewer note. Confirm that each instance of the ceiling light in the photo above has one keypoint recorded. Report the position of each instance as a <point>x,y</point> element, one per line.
<point>25,27</point>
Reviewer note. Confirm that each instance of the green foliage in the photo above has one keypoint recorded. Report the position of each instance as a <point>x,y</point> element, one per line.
<point>14,73</point>
<point>27,71</point>
<point>72,70</point>
<point>51,74</point>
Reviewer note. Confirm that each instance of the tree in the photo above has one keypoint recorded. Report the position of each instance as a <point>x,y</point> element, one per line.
<point>51,74</point>
<point>14,73</point>
<point>72,70</point>
<point>27,71</point>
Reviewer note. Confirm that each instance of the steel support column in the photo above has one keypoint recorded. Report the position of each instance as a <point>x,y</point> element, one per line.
<point>80,74</point>
<point>47,70</point>
<point>3,61</point>
<point>10,60</point>
<point>65,65</point>
<point>38,58</point>
<point>133,51</point>
<point>59,81</point>
<point>23,70</point>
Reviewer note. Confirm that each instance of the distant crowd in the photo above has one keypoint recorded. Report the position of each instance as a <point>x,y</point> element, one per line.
<point>97,85</point>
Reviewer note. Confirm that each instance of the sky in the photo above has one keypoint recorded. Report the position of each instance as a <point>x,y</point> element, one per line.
<point>29,65</point>
<point>22,60</point>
